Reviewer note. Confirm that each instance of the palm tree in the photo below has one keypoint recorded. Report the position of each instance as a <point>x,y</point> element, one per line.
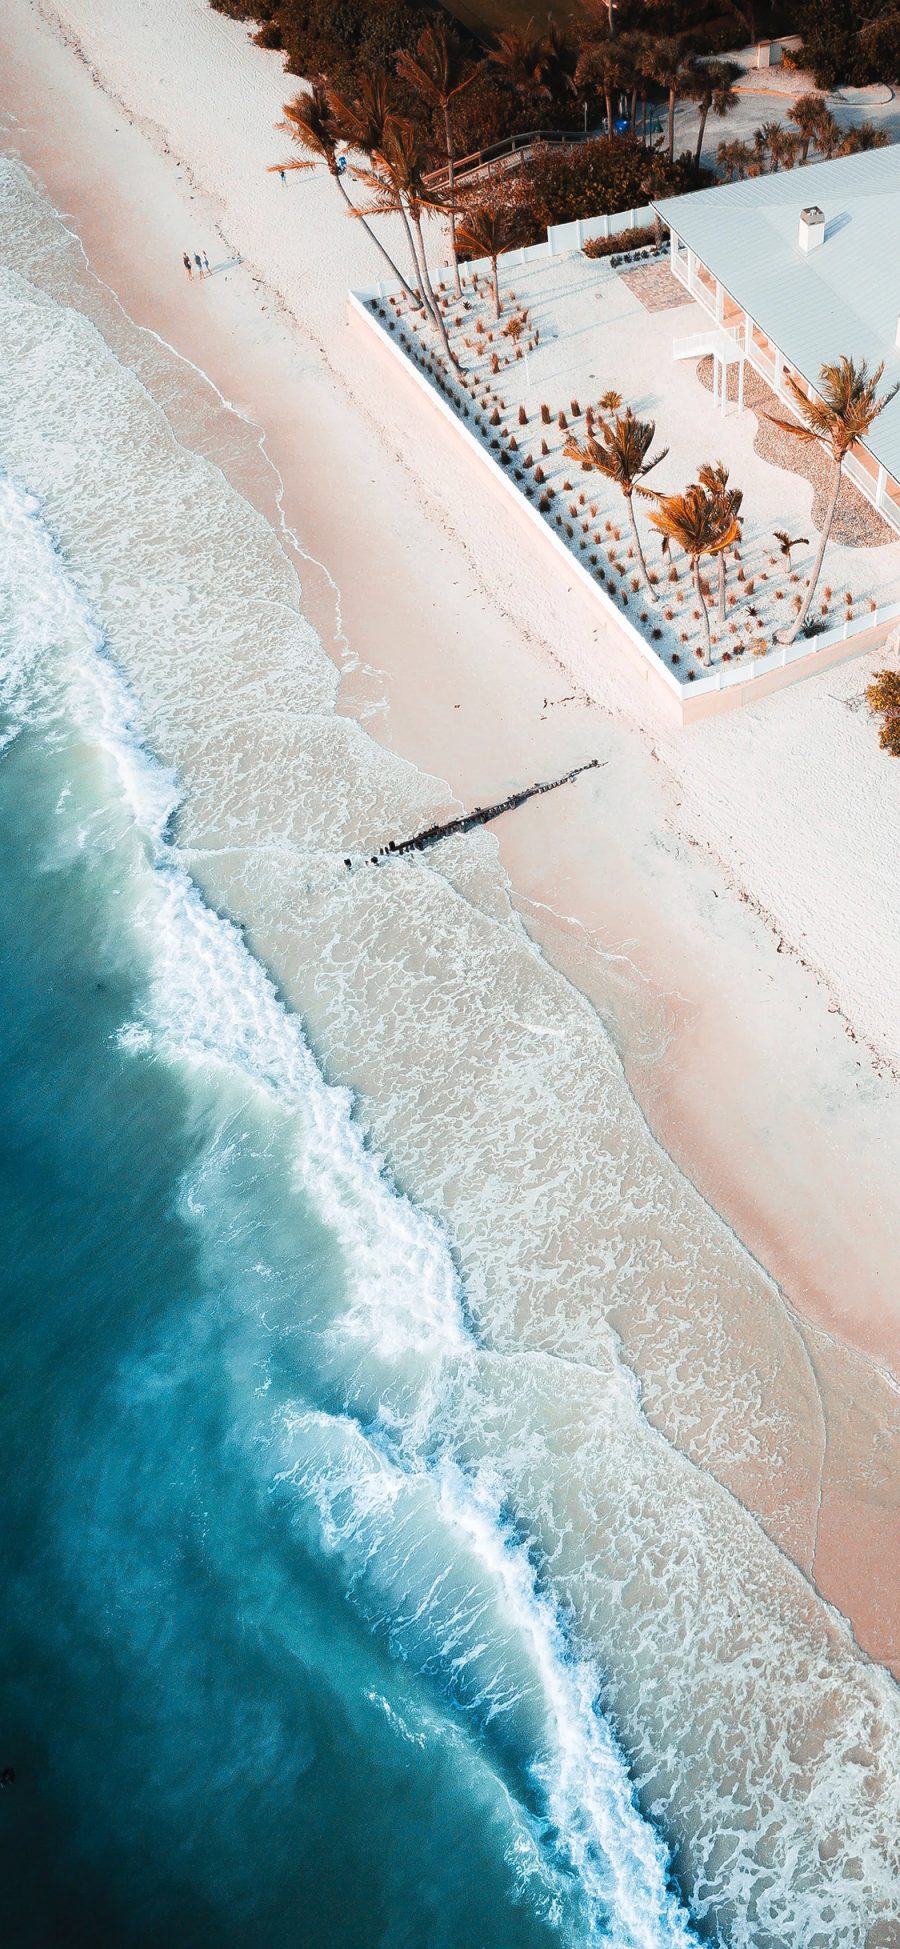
<point>439,71</point>
<point>787,543</point>
<point>309,120</point>
<point>365,124</point>
<point>806,115</point>
<point>734,159</point>
<point>713,87</point>
<point>865,136</point>
<point>701,524</point>
<point>620,451</point>
<point>715,479</point>
<point>829,135</point>
<point>761,146</point>
<point>523,61</point>
<point>839,413</point>
<point>397,181</point>
<point>487,230</point>
<point>673,68</point>
<point>603,65</point>
<point>783,148</point>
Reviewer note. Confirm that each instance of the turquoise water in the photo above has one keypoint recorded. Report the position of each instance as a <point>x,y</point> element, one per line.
<point>374,1569</point>
<point>262,1675</point>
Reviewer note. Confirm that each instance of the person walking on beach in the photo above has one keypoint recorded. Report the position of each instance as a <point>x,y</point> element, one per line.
<point>283,177</point>
<point>187,265</point>
<point>206,265</point>
<point>198,263</point>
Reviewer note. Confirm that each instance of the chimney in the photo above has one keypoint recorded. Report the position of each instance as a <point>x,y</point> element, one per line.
<point>812,228</point>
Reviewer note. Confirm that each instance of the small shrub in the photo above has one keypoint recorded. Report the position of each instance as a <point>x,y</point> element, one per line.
<point>539,474</point>
<point>495,418</point>
<point>883,699</point>
<point>576,409</point>
<point>675,657</point>
<point>545,415</point>
<point>562,421</point>
<point>545,503</point>
<point>523,416</point>
<point>656,633</point>
<point>544,449</point>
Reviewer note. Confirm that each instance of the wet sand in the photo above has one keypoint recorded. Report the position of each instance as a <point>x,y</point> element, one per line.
<point>740,1057</point>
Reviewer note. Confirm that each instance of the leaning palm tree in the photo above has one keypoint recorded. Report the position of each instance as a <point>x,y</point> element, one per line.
<point>439,72</point>
<point>715,479</point>
<point>841,412</point>
<point>365,122</point>
<point>620,451</point>
<point>397,182</point>
<point>309,121</point>
<point>700,524</point>
<point>487,230</point>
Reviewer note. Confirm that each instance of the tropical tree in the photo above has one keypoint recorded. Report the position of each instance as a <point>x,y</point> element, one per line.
<point>619,449</point>
<point>309,121</point>
<point>761,147</point>
<point>673,68</point>
<point>787,543</point>
<point>783,147</point>
<point>604,65</point>
<point>863,137</point>
<point>713,88</point>
<point>487,230</point>
<point>439,72</point>
<point>734,159</point>
<point>806,115</point>
<point>396,179</point>
<point>701,524</point>
<point>883,697</point>
<point>841,411</point>
<point>714,477</point>
<point>365,123</point>
<point>523,61</point>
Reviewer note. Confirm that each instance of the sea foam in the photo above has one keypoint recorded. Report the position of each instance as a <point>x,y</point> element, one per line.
<point>432,1559</point>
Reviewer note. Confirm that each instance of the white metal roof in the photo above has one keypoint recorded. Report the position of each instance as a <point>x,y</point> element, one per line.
<point>843,297</point>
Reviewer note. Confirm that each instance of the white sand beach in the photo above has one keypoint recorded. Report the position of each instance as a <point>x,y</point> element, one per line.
<point>636,1048</point>
<point>726,896</point>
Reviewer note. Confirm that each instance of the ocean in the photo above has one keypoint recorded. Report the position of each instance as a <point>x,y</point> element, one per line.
<point>374,1571</point>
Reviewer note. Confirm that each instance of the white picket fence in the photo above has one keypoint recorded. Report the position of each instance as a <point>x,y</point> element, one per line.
<point>563,237</point>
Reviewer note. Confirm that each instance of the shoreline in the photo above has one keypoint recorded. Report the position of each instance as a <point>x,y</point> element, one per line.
<point>685,988</point>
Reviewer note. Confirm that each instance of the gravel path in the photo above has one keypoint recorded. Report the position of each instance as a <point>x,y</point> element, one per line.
<point>657,289</point>
<point>856,522</point>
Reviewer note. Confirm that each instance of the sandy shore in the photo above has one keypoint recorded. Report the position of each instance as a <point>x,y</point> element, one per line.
<point>725,896</point>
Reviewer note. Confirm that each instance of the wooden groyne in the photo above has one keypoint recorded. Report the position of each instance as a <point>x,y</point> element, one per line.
<point>421,841</point>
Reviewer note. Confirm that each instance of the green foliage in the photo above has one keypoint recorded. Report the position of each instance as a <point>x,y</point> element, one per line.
<point>840,45</point>
<point>624,240</point>
<point>597,178</point>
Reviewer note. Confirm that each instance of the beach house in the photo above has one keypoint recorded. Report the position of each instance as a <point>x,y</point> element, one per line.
<point>795,269</point>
